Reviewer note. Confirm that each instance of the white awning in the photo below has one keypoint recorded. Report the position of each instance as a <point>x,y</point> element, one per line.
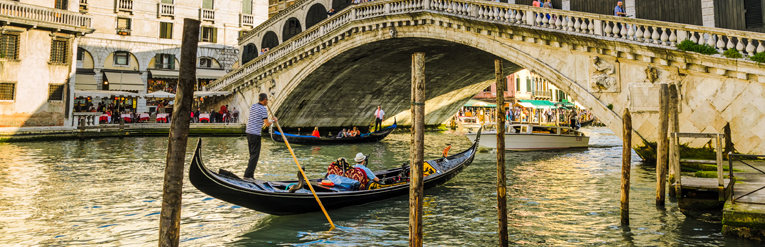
<point>164,74</point>
<point>103,93</point>
<point>199,94</point>
<point>210,73</point>
<point>526,104</point>
<point>85,82</point>
<point>124,81</point>
<point>159,95</point>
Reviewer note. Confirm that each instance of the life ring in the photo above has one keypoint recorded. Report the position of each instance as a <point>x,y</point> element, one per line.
<point>512,130</point>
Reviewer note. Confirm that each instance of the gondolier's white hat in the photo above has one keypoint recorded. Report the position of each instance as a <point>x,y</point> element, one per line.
<point>359,157</point>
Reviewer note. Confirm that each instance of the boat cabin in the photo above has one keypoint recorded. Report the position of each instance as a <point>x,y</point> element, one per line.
<point>543,130</point>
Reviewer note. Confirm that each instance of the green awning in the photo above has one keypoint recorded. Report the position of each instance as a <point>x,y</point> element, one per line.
<point>478,103</point>
<point>538,104</point>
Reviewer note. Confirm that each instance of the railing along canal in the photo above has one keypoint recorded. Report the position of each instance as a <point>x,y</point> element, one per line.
<point>644,32</point>
<point>738,157</point>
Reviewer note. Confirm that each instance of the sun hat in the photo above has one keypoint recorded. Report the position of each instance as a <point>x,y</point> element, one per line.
<point>359,157</point>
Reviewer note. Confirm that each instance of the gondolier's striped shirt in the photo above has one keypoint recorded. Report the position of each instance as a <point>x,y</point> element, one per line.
<point>258,114</point>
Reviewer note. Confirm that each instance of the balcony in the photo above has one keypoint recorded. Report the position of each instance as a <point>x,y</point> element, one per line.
<point>207,15</point>
<point>38,16</point>
<point>165,9</point>
<point>246,20</point>
<point>124,5</point>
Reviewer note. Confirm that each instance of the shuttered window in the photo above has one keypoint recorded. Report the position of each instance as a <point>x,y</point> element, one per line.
<point>753,15</point>
<point>247,7</point>
<point>7,91</point>
<point>165,30</point>
<point>123,23</point>
<point>58,51</point>
<point>55,92</point>
<point>62,4</point>
<point>164,61</point>
<point>9,46</point>
<point>207,4</point>
<point>209,34</point>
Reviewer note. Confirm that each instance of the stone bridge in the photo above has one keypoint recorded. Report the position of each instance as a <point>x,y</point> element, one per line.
<point>335,71</point>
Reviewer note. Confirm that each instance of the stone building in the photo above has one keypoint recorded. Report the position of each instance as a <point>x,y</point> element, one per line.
<point>276,6</point>
<point>525,84</point>
<point>37,38</point>
<point>136,45</point>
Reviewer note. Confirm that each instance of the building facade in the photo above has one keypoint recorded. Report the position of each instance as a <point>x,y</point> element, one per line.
<point>525,84</point>
<point>37,40</point>
<point>136,45</point>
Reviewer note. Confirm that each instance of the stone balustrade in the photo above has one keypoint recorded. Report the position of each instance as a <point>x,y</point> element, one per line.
<point>124,5</point>
<point>206,15</point>
<point>165,9</point>
<point>246,20</point>
<point>35,13</point>
<point>90,118</point>
<point>643,32</point>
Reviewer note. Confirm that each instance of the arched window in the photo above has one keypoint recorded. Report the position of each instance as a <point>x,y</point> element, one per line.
<point>340,4</point>
<point>249,52</point>
<point>316,14</point>
<point>270,40</point>
<point>291,28</point>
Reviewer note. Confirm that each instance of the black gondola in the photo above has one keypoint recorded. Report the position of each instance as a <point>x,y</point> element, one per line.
<point>273,197</point>
<point>312,140</point>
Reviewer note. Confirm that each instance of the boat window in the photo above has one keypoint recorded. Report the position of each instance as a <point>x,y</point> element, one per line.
<point>514,129</point>
<point>524,128</point>
<point>544,130</point>
<point>564,131</point>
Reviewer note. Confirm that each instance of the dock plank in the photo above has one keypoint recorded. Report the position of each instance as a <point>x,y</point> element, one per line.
<point>701,183</point>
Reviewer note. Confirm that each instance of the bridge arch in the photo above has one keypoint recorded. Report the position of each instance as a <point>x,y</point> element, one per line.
<point>270,40</point>
<point>315,14</point>
<point>249,52</point>
<point>291,28</point>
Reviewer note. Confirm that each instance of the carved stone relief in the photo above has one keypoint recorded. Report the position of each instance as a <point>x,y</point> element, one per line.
<point>651,74</point>
<point>604,76</point>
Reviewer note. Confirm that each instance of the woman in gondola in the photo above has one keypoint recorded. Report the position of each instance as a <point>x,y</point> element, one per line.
<point>316,132</point>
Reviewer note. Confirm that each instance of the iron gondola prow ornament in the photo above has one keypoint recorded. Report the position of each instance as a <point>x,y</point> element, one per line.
<point>302,172</point>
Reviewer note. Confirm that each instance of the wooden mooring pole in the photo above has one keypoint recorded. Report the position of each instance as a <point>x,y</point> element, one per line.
<point>626,160</point>
<point>662,144</point>
<point>170,216</point>
<point>501,183</point>
<point>416,157</point>
<point>674,127</point>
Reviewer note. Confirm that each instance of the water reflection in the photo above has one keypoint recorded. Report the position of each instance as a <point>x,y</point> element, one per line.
<point>107,191</point>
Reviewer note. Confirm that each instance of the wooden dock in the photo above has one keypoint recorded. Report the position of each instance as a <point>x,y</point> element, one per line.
<point>744,211</point>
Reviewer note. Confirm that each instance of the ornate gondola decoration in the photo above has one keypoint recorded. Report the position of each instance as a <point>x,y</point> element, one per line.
<point>274,197</point>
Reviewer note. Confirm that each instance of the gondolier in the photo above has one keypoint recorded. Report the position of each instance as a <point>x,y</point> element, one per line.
<point>255,122</point>
<point>379,115</point>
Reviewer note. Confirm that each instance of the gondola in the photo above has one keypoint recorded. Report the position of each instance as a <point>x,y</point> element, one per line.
<point>586,123</point>
<point>273,197</point>
<point>312,140</point>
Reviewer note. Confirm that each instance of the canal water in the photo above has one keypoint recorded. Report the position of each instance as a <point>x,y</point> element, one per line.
<point>107,192</point>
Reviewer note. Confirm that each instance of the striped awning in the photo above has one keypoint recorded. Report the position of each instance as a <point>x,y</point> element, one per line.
<point>124,81</point>
<point>163,74</point>
<point>210,73</point>
<point>85,82</point>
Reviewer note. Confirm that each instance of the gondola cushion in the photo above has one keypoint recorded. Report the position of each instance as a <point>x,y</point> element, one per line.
<point>343,182</point>
<point>350,172</point>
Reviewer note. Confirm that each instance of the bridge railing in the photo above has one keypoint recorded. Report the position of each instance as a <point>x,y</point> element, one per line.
<point>644,32</point>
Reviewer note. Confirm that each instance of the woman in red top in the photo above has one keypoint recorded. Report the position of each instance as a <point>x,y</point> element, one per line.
<point>316,132</point>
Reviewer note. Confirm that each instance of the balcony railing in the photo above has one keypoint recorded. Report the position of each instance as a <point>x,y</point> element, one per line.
<point>544,94</point>
<point>206,15</point>
<point>124,5</point>
<point>246,20</point>
<point>56,17</point>
<point>165,9</point>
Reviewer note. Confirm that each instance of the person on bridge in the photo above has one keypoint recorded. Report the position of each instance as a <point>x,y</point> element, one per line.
<point>257,120</point>
<point>619,10</point>
<point>379,116</point>
<point>536,3</point>
<point>331,12</point>
<point>316,132</point>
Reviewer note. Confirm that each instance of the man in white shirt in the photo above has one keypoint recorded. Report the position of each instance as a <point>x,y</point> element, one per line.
<point>379,116</point>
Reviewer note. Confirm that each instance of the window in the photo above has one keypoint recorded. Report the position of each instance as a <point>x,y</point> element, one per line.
<point>205,63</point>
<point>62,4</point>
<point>164,61</point>
<point>123,23</point>
<point>7,90</point>
<point>207,4</point>
<point>167,1</point>
<point>121,58</point>
<point>165,30</point>
<point>242,33</point>
<point>518,84</point>
<point>247,7</point>
<point>209,34</point>
<point>79,54</point>
<point>9,46</point>
<point>487,89</point>
<point>55,92</point>
<point>58,51</point>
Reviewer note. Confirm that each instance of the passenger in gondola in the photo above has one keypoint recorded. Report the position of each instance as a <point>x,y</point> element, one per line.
<point>355,132</point>
<point>315,132</point>
<point>341,134</point>
<point>360,163</point>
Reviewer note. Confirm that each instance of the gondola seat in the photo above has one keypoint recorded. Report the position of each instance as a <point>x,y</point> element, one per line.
<point>350,172</point>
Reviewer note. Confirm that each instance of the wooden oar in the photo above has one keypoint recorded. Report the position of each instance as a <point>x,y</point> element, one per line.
<point>301,170</point>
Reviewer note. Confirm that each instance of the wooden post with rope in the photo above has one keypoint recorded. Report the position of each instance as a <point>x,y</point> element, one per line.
<point>501,182</point>
<point>417,157</point>
<point>302,173</point>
